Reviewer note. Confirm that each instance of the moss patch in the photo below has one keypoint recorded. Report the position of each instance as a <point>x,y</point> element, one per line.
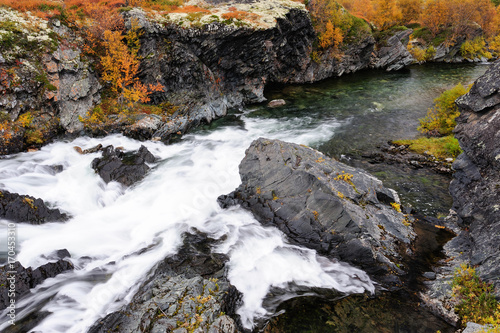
<point>444,147</point>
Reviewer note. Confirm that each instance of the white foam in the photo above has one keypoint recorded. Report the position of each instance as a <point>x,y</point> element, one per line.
<point>111,224</point>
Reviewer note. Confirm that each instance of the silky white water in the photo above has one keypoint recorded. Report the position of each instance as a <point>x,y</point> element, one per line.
<point>116,235</point>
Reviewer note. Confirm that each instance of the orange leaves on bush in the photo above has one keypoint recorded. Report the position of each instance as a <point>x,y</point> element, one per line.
<point>387,14</point>
<point>191,9</point>
<point>410,10</point>
<point>331,22</point>
<point>120,65</point>
<point>94,17</point>
<point>331,36</point>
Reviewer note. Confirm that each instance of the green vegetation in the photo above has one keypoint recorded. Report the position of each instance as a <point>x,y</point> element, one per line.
<point>421,54</point>
<point>475,48</point>
<point>440,119</point>
<point>444,147</point>
<point>438,126</point>
<point>110,112</point>
<point>476,299</point>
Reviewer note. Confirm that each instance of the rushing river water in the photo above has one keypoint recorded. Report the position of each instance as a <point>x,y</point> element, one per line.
<point>111,225</point>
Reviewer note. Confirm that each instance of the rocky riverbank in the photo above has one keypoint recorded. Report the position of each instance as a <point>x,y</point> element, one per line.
<point>476,182</point>
<point>205,66</point>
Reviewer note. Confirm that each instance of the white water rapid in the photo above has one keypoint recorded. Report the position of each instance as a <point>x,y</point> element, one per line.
<point>116,235</point>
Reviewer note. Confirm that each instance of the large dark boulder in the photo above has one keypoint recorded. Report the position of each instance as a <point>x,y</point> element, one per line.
<point>25,208</point>
<point>184,293</point>
<point>340,211</point>
<point>125,168</point>
<point>476,184</point>
<point>26,278</point>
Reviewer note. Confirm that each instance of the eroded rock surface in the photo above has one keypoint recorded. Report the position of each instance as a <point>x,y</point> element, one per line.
<point>320,203</point>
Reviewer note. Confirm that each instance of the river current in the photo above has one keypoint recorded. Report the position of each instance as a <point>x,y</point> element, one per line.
<point>116,234</point>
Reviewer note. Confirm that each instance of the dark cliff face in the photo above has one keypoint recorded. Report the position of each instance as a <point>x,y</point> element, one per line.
<point>201,63</point>
<point>476,184</point>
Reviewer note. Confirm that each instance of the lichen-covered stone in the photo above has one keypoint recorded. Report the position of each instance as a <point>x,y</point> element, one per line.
<point>325,205</point>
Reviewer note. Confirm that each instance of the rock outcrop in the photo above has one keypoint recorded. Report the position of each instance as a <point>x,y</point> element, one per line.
<point>392,54</point>
<point>25,208</point>
<point>476,184</point>
<point>125,168</point>
<point>340,211</point>
<point>27,278</point>
<point>42,69</point>
<point>185,293</point>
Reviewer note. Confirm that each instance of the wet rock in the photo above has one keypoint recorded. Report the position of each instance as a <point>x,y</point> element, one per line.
<point>125,168</point>
<point>320,203</point>
<point>185,292</point>
<point>92,150</point>
<point>27,278</point>
<point>429,275</point>
<point>276,103</point>
<point>25,208</point>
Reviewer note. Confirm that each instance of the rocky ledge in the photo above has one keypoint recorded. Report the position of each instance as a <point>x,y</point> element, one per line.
<point>320,203</point>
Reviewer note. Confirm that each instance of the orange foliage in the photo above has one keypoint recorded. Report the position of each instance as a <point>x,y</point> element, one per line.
<point>410,10</point>
<point>387,14</point>
<point>436,15</point>
<point>331,22</point>
<point>457,15</point>
<point>40,8</point>
<point>120,65</point>
<point>191,9</point>
<point>240,15</point>
<point>94,17</point>
<point>360,8</point>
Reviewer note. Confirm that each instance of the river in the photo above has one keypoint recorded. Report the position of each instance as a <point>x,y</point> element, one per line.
<point>111,225</point>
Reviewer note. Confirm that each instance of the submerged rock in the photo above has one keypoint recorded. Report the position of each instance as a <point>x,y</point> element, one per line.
<point>125,168</point>
<point>25,208</point>
<point>340,211</point>
<point>276,103</point>
<point>27,278</point>
<point>185,293</point>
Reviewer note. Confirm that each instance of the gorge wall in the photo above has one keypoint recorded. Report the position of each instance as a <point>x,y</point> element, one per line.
<point>476,183</point>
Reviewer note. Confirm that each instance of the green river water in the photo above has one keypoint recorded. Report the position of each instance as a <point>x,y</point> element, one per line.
<point>372,107</point>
